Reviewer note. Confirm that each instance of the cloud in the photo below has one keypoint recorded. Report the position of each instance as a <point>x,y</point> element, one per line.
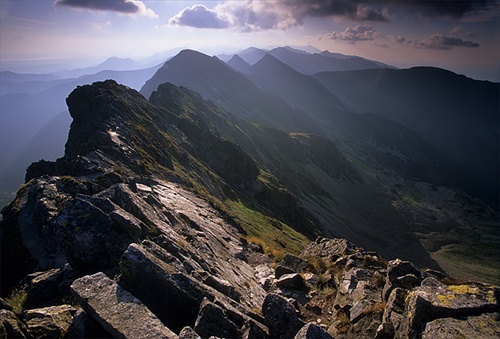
<point>200,17</point>
<point>353,34</point>
<point>119,6</point>
<point>355,10</point>
<point>246,16</point>
<point>252,15</point>
<point>462,9</point>
<point>437,41</point>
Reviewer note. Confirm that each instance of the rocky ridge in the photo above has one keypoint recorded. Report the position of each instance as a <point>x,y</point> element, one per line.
<point>116,239</point>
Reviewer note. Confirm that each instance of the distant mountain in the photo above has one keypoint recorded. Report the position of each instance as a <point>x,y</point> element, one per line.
<point>110,64</point>
<point>457,115</point>
<point>238,64</point>
<point>306,63</point>
<point>297,89</point>
<point>252,54</point>
<point>216,81</point>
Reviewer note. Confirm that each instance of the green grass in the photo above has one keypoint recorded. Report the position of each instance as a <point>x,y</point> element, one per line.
<point>275,237</point>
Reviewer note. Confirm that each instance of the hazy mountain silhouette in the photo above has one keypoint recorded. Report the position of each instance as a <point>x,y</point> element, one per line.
<point>216,81</point>
<point>112,64</point>
<point>238,64</point>
<point>457,115</point>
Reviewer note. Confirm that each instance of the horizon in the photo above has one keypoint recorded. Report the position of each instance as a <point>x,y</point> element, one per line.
<point>460,36</point>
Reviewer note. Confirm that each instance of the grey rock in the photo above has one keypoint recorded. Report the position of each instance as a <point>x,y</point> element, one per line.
<point>10,325</point>
<point>485,326</point>
<point>332,249</point>
<point>82,326</point>
<point>50,287</point>
<point>281,317</point>
<point>402,274</point>
<point>425,304</point>
<point>90,238</point>
<point>158,284</point>
<point>312,331</point>
<point>222,286</point>
<point>49,322</point>
<point>213,320</point>
<point>292,281</point>
<point>290,264</point>
<point>116,310</point>
<point>188,333</point>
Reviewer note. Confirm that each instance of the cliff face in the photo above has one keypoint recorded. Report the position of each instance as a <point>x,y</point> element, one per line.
<point>149,223</point>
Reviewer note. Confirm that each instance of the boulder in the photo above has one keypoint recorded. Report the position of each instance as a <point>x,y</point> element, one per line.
<point>312,331</point>
<point>331,249</point>
<point>173,296</point>
<point>485,326</point>
<point>89,237</point>
<point>82,326</point>
<point>222,286</point>
<point>402,274</point>
<point>292,281</point>
<point>10,325</point>
<point>393,314</point>
<point>116,310</point>
<point>290,264</point>
<point>427,303</point>
<point>188,333</point>
<point>213,320</point>
<point>49,322</point>
<point>50,287</point>
<point>281,317</point>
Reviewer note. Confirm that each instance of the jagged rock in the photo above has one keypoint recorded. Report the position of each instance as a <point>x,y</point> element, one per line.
<point>188,333</point>
<point>485,326</point>
<point>290,264</point>
<point>265,275</point>
<point>292,281</point>
<point>10,325</point>
<point>90,238</point>
<point>393,314</point>
<point>82,326</point>
<point>312,331</point>
<point>49,322</point>
<point>213,320</point>
<point>116,310</point>
<point>281,317</point>
<point>50,288</point>
<point>332,249</point>
<point>158,284</point>
<point>402,274</point>
<point>222,286</point>
<point>427,303</point>
<point>311,278</point>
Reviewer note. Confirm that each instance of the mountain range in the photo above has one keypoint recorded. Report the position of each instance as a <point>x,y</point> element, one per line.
<point>390,159</point>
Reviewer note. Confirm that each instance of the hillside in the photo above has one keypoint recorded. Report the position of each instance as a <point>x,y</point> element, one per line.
<point>155,203</point>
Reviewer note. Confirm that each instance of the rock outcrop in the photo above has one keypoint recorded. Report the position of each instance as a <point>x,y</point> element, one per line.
<point>128,235</point>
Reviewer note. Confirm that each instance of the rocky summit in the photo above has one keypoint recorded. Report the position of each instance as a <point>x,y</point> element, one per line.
<point>149,227</point>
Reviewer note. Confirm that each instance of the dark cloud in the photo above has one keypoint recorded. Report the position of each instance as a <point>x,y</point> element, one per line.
<point>437,41</point>
<point>353,34</point>
<point>200,17</point>
<point>251,15</point>
<point>381,10</point>
<point>355,10</point>
<point>123,6</point>
<point>446,8</point>
<point>120,6</point>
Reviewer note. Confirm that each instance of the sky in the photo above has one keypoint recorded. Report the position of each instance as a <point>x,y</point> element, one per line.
<point>462,36</point>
